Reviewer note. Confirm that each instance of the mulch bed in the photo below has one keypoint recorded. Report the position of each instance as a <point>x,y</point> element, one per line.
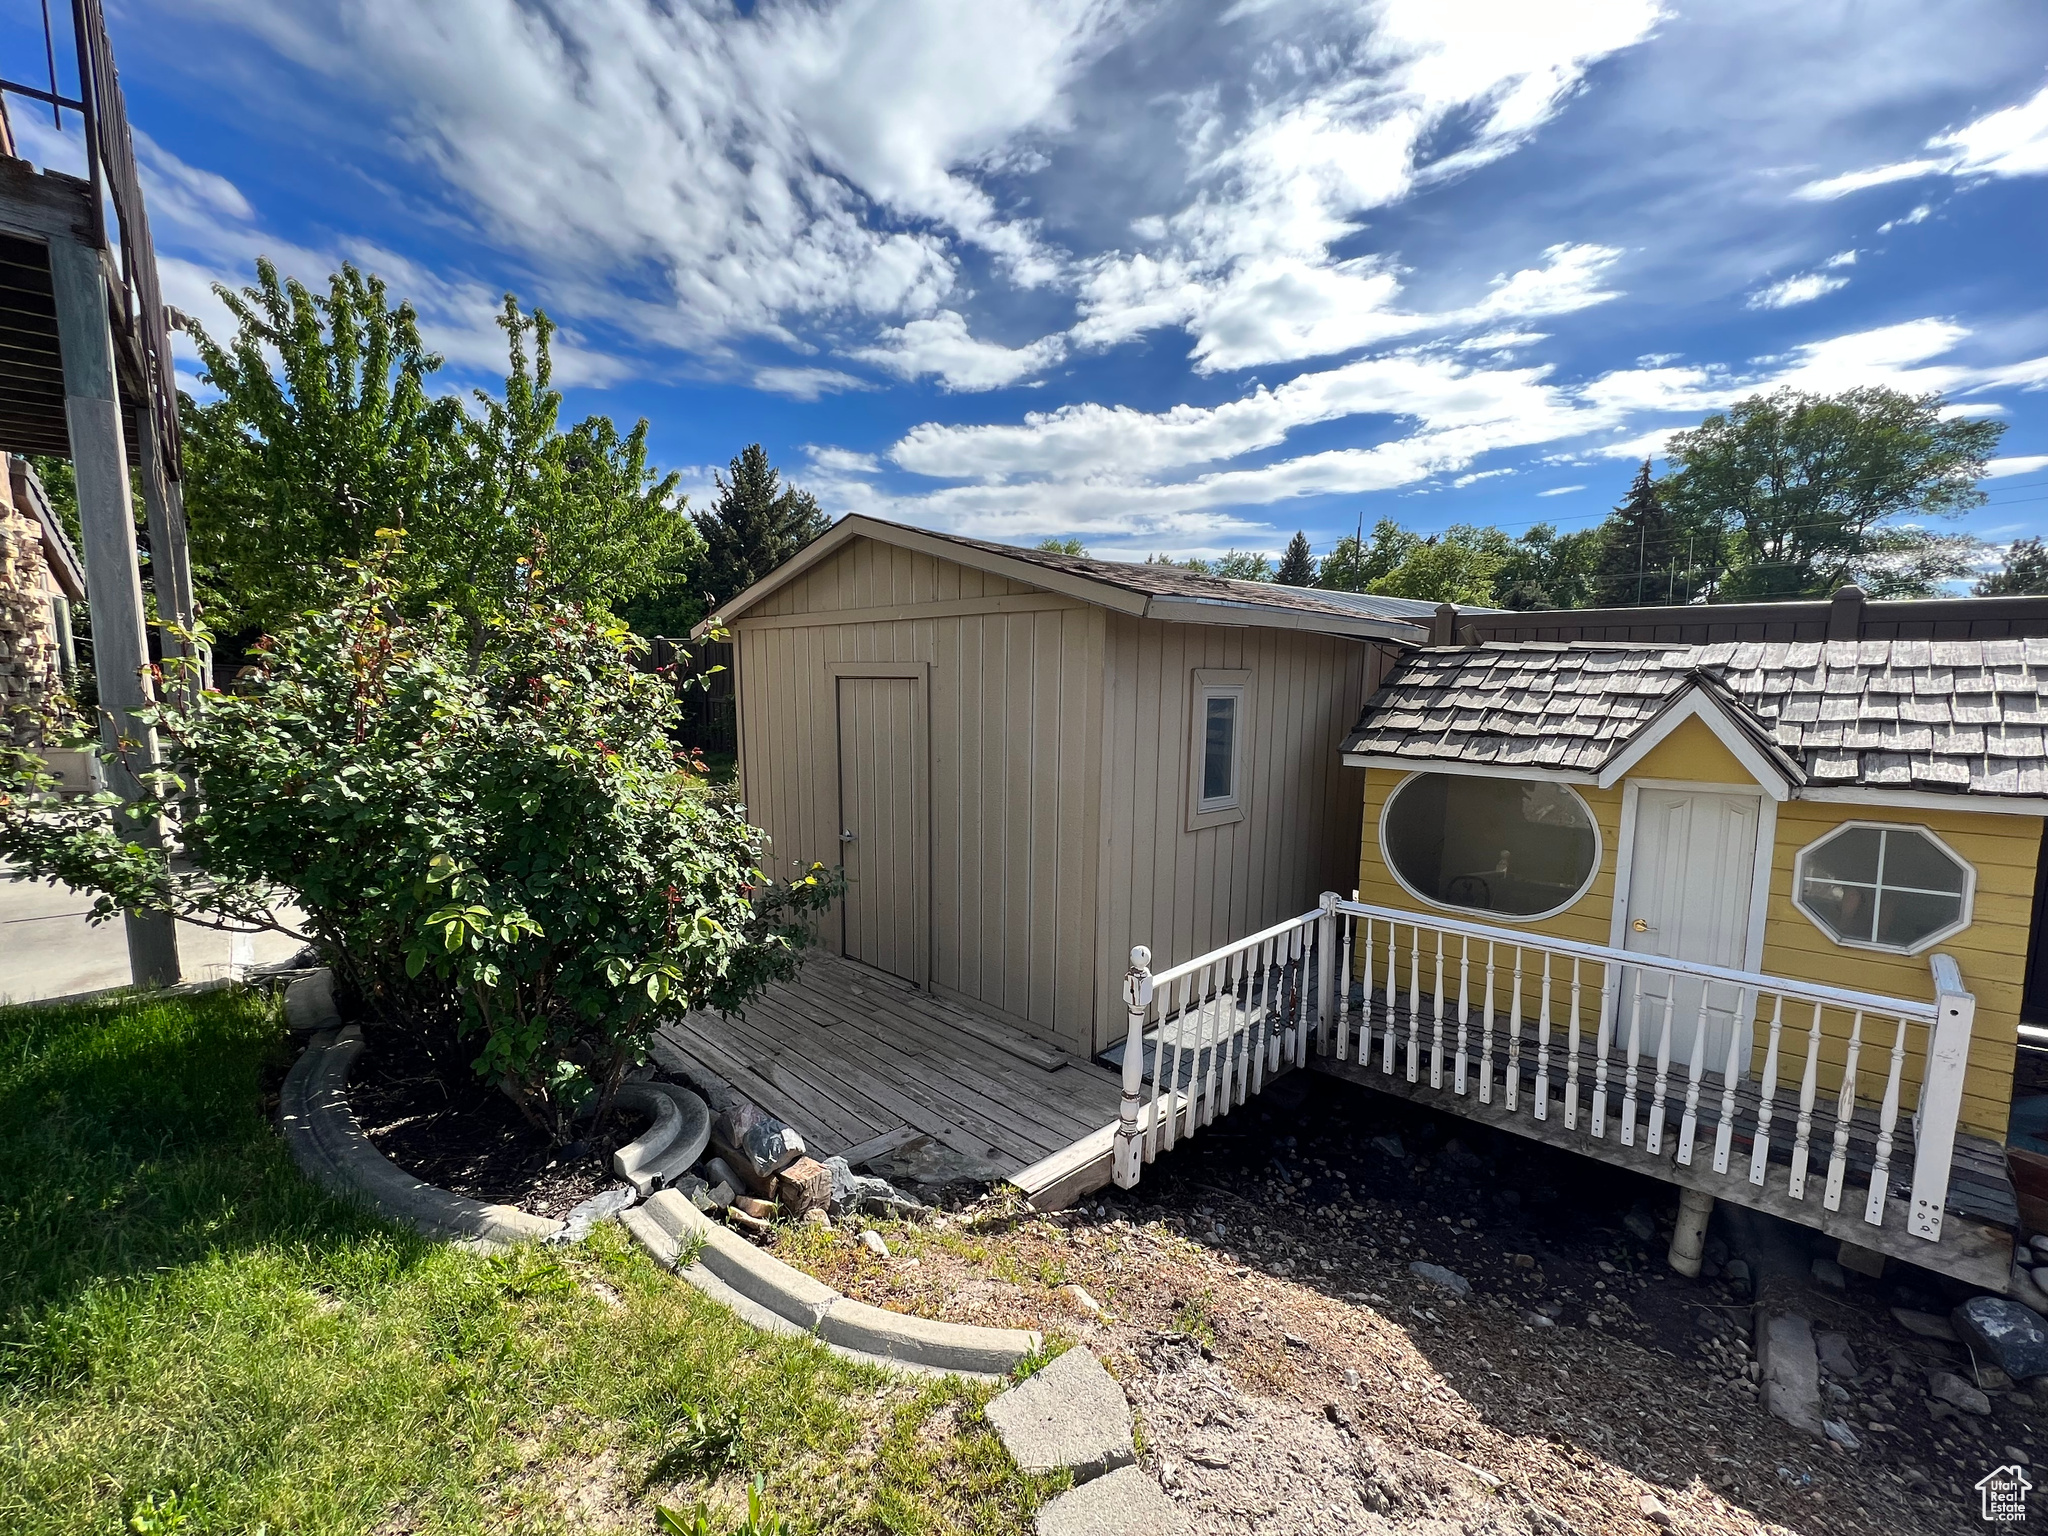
<point>449,1127</point>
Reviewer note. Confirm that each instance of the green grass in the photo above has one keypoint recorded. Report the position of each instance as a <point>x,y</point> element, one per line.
<point>194,1337</point>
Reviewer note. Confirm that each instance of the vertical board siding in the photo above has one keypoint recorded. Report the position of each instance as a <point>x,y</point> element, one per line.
<point>1183,893</point>
<point>1014,701</point>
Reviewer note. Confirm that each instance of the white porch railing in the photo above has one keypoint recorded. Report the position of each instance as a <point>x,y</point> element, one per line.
<point>1612,1043</point>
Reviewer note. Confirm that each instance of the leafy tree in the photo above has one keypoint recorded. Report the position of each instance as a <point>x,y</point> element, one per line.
<point>1459,565</point>
<point>327,429</point>
<point>1193,563</point>
<point>1808,491</point>
<point>2024,573</point>
<point>498,847</point>
<point>1547,569</point>
<point>1063,547</point>
<point>1242,565</point>
<point>756,524</point>
<point>1354,566</point>
<point>1297,565</point>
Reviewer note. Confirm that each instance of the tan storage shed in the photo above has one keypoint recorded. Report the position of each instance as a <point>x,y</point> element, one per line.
<point>1028,762</point>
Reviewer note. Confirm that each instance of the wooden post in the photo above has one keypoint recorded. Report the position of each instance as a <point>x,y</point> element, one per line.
<point>1129,1153</point>
<point>1941,1098</point>
<point>170,567</point>
<point>99,459</point>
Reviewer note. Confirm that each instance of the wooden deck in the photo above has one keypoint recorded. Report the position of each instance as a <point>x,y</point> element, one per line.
<point>857,1061</point>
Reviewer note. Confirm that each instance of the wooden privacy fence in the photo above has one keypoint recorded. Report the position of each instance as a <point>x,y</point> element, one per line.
<point>710,719</point>
<point>1581,1035</point>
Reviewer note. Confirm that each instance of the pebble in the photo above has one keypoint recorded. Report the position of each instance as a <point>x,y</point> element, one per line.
<point>1351,1378</point>
<point>1841,1434</point>
<point>871,1240</point>
<point>1951,1388</point>
<point>1653,1510</point>
<point>1436,1274</point>
<point>1928,1325</point>
<point>1082,1299</point>
<point>1525,1261</point>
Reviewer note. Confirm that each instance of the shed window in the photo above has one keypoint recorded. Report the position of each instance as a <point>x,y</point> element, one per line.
<point>1513,847</point>
<point>1218,754</point>
<point>1875,886</point>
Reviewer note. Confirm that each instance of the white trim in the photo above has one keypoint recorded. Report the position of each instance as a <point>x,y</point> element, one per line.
<point>1926,800</point>
<point>1215,610</point>
<point>1760,870</point>
<point>1693,702</point>
<point>1965,913</point>
<point>1470,770</point>
<point>1386,859</point>
<point>1218,682</point>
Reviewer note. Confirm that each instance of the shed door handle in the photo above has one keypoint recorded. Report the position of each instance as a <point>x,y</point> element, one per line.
<point>847,837</point>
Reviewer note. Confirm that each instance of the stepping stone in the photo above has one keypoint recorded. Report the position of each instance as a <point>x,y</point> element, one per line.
<point>1071,1414</point>
<point>1790,1371</point>
<point>1125,1503</point>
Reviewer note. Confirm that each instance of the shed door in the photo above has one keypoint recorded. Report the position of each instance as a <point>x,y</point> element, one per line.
<point>883,817</point>
<point>1688,899</point>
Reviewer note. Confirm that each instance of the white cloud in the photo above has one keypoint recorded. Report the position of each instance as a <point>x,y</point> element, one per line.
<point>942,346</point>
<point>1502,341</point>
<point>2025,464</point>
<point>1561,490</point>
<point>1917,215</point>
<point>2012,141</point>
<point>804,383</point>
<point>1478,475</point>
<point>1803,288</point>
<point>842,461</point>
<point>1839,259</point>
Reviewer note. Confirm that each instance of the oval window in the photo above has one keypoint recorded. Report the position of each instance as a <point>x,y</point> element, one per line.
<point>1513,847</point>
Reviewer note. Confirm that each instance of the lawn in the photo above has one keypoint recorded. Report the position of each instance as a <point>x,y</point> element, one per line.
<point>192,1338</point>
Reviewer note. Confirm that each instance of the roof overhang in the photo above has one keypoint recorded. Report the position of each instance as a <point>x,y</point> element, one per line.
<point>1768,764</point>
<point>1467,768</point>
<point>1925,799</point>
<point>1103,594</point>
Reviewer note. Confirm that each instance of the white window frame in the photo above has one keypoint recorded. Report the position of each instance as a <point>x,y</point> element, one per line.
<point>1212,683</point>
<point>1484,913</point>
<point>1964,911</point>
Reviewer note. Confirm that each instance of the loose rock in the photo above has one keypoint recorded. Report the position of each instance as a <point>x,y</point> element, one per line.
<point>1951,1388</point>
<point>2011,1336</point>
<point>1436,1274</point>
<point>871,1240</point>
<point>1928,1325</point>
<point>1836,1357</point>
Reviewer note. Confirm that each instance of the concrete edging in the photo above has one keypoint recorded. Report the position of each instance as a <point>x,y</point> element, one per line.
<point>771,1294</point>
<point>332,1149</point>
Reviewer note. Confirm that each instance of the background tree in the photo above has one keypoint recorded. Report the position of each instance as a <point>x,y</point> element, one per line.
<point>1242,565</point>
<point>1547,569</point>
<point>2024,573</point>
<point>1297,565</point>
<point>756,524</point>
<point>1193,563</point>
<point>1064,547</point>
<point>1808,492</point>
<point>1353,566</point>
<point>1646,553</point>
<point>1459,565</point>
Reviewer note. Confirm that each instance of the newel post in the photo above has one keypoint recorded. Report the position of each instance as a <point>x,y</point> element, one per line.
<point>1129,1154</point>
<point>1941,1098</point>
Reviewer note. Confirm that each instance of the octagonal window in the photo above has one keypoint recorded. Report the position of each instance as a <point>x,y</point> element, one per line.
<point>1878,886</point>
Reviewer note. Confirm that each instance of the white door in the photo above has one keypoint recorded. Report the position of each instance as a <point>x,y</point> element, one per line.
<point>1689,887</point>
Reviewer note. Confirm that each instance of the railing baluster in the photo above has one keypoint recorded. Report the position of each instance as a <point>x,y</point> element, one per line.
<point>1542,1105</point>
<point>1689,1125</point>
<point>1387,1045</point>
<point>1809,1084</point>
<point>1514,1097</point>
<point>1436,1037</point>
<point>1414,999</point>
<point>1760,1149</point>
<point>1845,1113</point>
<point>1571,1065</point>
<point>1724,1133</point>
<point>1628,1076</point>
<point>1486,1033</point>
<point>1464,1011</point>
<point>1603,1043</point>
<point>1252,1036</point>
<point>1218,1081</point>
<point>1887,1122</point>
<point>1343,1014</point>
<point>1154,1131</point>
<point>1654,1142</point>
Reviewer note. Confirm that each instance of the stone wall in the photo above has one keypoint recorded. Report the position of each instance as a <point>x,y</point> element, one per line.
<point>29,665</point>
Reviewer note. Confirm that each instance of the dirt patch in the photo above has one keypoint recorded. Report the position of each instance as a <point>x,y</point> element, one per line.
<point>1292,1373</point>
<point>448,1127</point>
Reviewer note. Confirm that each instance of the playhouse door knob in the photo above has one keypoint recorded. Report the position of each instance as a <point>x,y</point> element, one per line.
<point>1642,926</point>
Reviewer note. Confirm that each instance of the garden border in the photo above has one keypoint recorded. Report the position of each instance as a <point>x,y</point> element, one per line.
<point>328,1144</point>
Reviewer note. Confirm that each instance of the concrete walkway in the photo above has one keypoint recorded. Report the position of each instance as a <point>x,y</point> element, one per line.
<point>48,949</point>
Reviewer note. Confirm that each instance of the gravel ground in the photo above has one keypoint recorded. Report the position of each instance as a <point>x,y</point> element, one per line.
<point>1292,1373</point>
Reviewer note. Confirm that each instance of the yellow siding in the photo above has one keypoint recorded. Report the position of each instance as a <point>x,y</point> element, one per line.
<point>1992,951</point>
<point>1015,706</point>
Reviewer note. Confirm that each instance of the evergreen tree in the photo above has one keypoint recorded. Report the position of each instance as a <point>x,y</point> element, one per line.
<point>1632,566</point>
<point>756,524</point>
<point>1297,565</point>
<point>2024,574</point>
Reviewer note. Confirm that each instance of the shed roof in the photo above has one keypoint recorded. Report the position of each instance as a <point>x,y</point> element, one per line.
<point>1955,716</point>
<point>1152,591</point>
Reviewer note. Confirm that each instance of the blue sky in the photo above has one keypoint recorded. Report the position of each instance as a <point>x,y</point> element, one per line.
<point>1169,276</point>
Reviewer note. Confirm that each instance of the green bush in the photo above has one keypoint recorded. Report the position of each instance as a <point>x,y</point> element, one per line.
<point>487,832</point>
